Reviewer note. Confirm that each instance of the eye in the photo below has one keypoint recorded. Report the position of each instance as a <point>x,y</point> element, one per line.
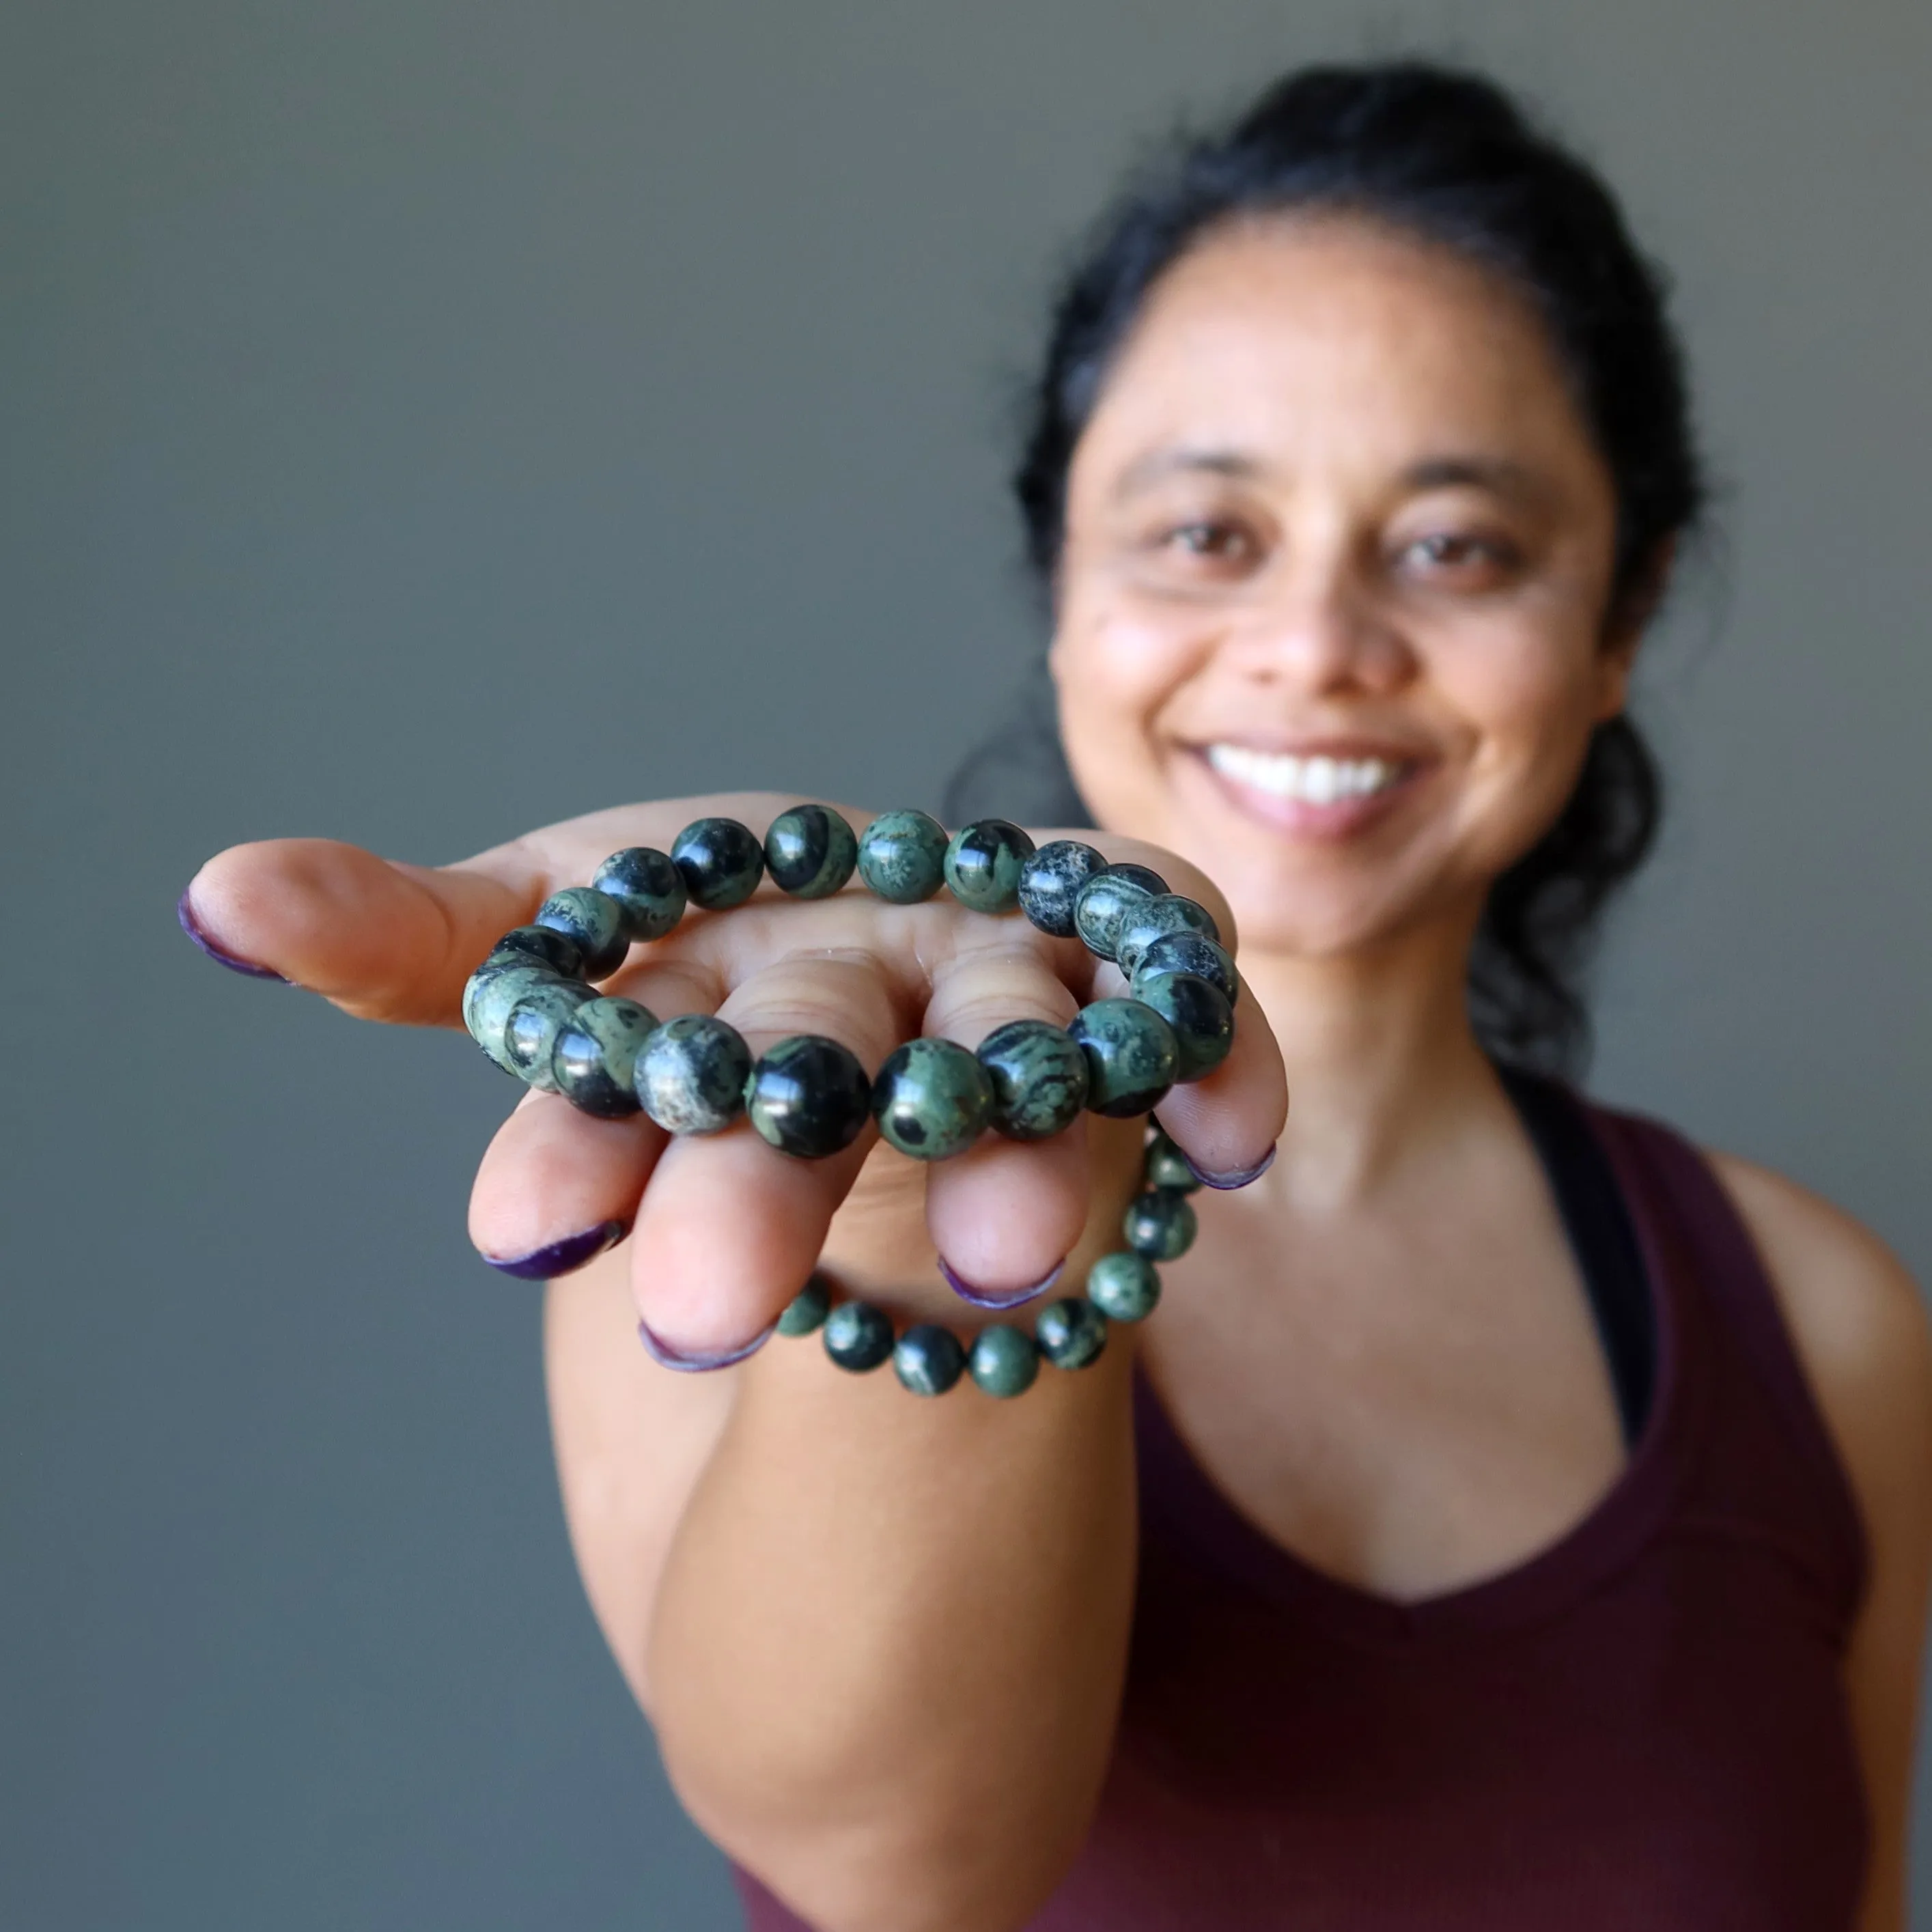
<point>1458,560</point>
<point>1215,540</point>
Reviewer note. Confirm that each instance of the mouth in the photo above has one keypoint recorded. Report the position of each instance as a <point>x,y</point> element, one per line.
<point>1326,793</point>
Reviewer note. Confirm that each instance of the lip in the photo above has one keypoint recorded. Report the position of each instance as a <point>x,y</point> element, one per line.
<point>1339,819</point>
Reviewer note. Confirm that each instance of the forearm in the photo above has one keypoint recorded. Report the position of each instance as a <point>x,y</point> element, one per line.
<point>886,1653</point>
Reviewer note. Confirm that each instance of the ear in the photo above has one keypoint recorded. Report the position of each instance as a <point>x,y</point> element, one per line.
<point>1629,619</point>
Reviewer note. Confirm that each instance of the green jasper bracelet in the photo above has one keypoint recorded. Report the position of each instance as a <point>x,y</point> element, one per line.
<point>1003,1360</point>
<point>532,1008</point>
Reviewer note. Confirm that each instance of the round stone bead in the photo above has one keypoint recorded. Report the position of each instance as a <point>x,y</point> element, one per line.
<point>931,1099</point>
<point>595,1056</point>
<point>1202,1020</point>
<point>858,1336</point>
<point>902,856</point>
<point>1189,952</point>
<point>1071,1333</point>
<point>1132,1058</point>
<point>594,920</point>
<point>536,1016</point>
<point>808,1308</point>
<point>1166,1166</point>
<point>927,1359</point>
<point>692,1074</point>
<point>1038,1078</point>
<point>1003,1361</point>
<point>809,1096</point>
<point>538,946</point>
<point>493,989</point>
<point>1124,1287</point>
<point>1101,907</point>
<point>720,861</point>
<point>1050,879</point>
<point>1160,1225</point>
<point>648,888</point>
<point>1167,913</point>
<point>810,851</point>
<point>983,862</point>
<point>1145,877</point>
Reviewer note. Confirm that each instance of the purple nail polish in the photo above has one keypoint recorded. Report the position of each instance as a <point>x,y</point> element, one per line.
<point>666,1357</point>
<point>562,1257</point>
<point>1239,1176</point>
<point>192,926</point>
<point>1012,1298</point>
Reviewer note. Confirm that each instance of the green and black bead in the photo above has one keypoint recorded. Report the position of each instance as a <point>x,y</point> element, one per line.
<point>595,1057</point>
<point>1168,912</point>
<point>1071,1333</point>
<point>902,856</point>
<point>1131,1057</point>
<point>810,851</point>
<point>809,1096</point>
<point>1199,1016</point>
<point>983,864</point>
<point>1124,1287</point>
<point>932,1098</point>
<point>594,921</point>
<point>1160,1225</point>
<point>648,888</point>
<point>1188,953</point>
<point>858,1336</point>
<point>720,861</point>
<point>927,1359</point>
<point>692,1074</point>
<point>535,1018</point>
<point>1050,880</point>
<point>1038,1077</point>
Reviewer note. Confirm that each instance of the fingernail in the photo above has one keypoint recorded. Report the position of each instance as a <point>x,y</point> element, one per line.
<point>193,927</point>
<point>1012,1298</point>
<point>562,1257</point>
<point>1239,1176</point>
<point>661,1352</point>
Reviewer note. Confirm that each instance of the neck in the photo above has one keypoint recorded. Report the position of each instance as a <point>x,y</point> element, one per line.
<point>1380,1054</point>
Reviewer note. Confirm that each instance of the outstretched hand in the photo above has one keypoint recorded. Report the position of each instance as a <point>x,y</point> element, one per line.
<point>724,1228</point>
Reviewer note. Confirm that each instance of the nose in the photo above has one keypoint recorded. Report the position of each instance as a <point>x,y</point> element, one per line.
<point>1319,630</point>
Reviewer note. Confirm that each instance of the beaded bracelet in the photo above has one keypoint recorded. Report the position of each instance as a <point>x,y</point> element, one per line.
<point>531,1008</point>
<point>1003,1360</point>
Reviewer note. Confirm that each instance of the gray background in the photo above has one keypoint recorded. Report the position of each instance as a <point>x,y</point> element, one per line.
<point>418,421</point>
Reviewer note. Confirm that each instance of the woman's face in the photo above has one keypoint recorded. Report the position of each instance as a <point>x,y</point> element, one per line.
<point>1331,608</point>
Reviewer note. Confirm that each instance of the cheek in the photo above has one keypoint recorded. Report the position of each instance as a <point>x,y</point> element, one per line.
<point>1115,673</point>
<point>1531,709</point>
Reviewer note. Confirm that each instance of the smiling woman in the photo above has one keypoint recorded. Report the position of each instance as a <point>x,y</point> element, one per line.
<point>1513,1515</point>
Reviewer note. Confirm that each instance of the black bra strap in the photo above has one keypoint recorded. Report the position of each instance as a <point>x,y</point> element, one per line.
<point>1598,1225</point>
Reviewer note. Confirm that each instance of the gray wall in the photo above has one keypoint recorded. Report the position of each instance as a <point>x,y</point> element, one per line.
<point>418,421</point>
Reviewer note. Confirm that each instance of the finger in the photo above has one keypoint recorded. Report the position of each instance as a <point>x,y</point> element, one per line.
<point>730,1228</point>
<point>385,940</point>
<point>1228,1123</point>
<point>557,1186</point>
<point>1005,1215</point>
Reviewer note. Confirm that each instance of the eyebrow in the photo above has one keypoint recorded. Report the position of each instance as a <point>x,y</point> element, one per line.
<point>1481,472</point>
<point>1507,479</point>
<point>1159,463</point>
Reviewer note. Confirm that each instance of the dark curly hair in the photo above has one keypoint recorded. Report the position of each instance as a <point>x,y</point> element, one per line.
<point>1448,156</point>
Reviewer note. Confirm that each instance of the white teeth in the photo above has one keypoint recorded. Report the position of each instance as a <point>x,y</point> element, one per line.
<point>1314,781</point>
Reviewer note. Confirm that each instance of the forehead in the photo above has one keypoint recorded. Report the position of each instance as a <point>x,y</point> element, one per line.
<point>1325,342</point>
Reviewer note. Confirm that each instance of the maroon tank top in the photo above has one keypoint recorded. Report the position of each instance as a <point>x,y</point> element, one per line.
<point>1643,1726</point>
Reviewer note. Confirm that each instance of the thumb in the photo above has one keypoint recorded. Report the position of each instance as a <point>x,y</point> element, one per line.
<point>381,939</point>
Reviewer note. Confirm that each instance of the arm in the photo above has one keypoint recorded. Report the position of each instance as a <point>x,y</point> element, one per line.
<point>1861,1332</point>
<point>881,1639</point>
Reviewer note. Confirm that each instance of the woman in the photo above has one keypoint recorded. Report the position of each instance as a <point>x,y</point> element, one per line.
<point>1512,1516</point>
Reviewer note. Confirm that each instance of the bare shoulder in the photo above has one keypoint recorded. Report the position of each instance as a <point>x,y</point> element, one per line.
<point>1856,1316</point>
